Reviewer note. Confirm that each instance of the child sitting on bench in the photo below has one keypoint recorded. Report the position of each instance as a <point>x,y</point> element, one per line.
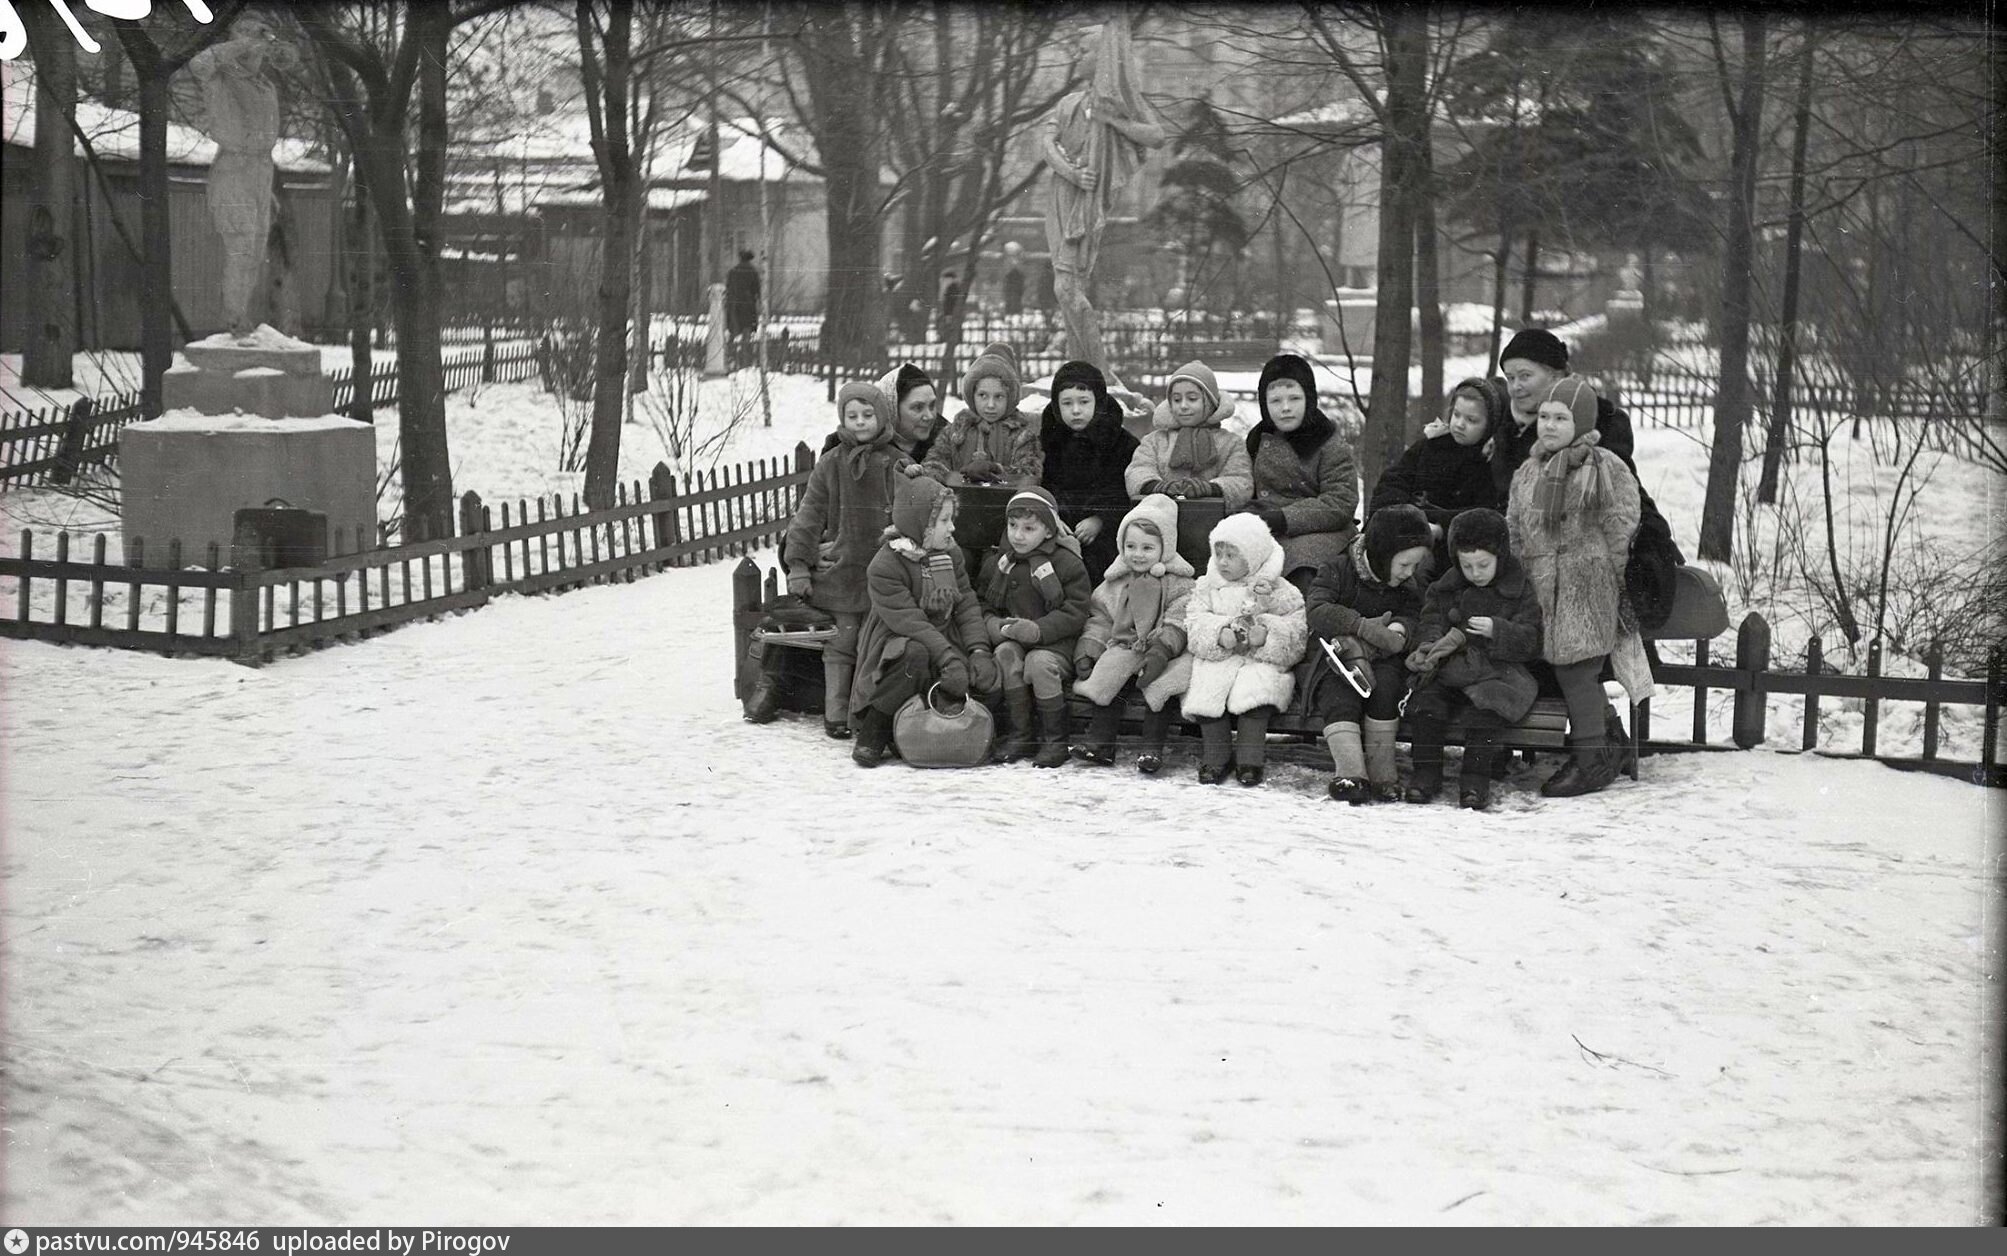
<point>1245,629</point>
<point>1187,452</point>
<point>1136,629</point>
<point>1034,595</point>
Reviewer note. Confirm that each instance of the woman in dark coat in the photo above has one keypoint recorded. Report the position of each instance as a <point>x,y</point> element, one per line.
<point>1306,482</point>
<point>1087,453</point>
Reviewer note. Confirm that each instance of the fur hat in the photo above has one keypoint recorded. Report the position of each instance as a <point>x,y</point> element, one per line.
<point>1037,501</point>
<point>1536,344</point>
<point>1202,375</point>
<point>1158,513</point>
<point>871,395</point>
<point>1078,374</point>
<point>917,501</point>
<point>1480,529</point>
<point>998,362</point>
<point>1579,395</point>
<point>1391,529</point>
<point>1248,534</point>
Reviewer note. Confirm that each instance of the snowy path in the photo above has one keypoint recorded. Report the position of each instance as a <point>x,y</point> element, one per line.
<point>509,918</point>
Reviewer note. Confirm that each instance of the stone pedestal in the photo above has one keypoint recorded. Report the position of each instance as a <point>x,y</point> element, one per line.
<point>1625,307</point>
<point>266,373</point>
<point>183,476</point>
<point>1354,310</point>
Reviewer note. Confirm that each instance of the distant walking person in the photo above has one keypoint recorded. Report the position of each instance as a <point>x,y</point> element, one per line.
<point>1013,280</point>
<point>742,298</point>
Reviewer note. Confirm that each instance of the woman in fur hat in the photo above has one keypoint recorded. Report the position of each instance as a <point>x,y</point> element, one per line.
<point>1366,605</point>
<point>1187,452</point>
<point>1086,453</point>
<point>1245,629</point>
<point>1306,482</point>
<point>924,626</point>
<point>989,442</point>
<point>1572,511</point>
<point>1136,631</point>
<point>1449,471</point>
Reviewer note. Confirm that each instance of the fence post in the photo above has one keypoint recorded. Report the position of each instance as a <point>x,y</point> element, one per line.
<point>662,488</point>
<point>473,562</point>
<point>71,451</point>
<point>1814,661</point>
<point>488,353</point>
<point>244,618</point>
<point>1752,656</point>
<point>1989,736</point>
<point>745,617</point>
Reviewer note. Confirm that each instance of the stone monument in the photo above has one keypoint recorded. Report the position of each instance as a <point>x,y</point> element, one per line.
<point>1094,143</point>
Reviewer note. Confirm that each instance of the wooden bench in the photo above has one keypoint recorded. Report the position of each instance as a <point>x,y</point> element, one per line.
<point>1222,355</point>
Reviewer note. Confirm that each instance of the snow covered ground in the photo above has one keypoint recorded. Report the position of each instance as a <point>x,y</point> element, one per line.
<point>509,918</point>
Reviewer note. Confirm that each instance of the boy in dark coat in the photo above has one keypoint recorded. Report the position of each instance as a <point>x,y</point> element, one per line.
<point>1449,471</point>
<point>1480,628</point>
<point>1306,480</point>
<point>1368,604</point>
<point>1087,454</point>
<point>1034,597</point>
<point>924,625</point>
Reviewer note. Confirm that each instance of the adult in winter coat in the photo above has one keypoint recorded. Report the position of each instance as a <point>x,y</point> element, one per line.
<point>1480,627</point>
<point>837,530</point>
<point>1086,454</point>
<point>1136,631</point>
<point>1306,481</point>
<point>924,625</point>
<point>1450,471</point>
<point>1188,452</point>
<point>1245,629</point>
<point>989,442</point>
<point>1571,513</point>
<point>1367,604</point>
<point>915,414</point>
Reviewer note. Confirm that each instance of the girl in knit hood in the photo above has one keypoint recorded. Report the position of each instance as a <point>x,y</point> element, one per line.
<point>1136,630</point>
<point>1365,607</point>
<point>1449,469</point>
<point>1034,594</point>
<point>924,626</point>
<point>910,392</point>
<point>1087,450</point>
<point>1187,453</point>
<point>835,532</point>
<point>1572,510</point>
<point>1306,482</point>
<point>1245,628</point>
<point>990,442</point>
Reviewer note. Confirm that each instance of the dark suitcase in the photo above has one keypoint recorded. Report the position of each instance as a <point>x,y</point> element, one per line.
<point>278,535</point>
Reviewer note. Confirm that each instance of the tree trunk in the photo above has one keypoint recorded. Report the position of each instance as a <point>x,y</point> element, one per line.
<point>1393,314</point>
<point>156,273</point>
<point>1787,323</point>
<point>52,255</point>
<point>1428,290</point>
<point>1732,400</point>
<point>1499,262</point>
<point>1532,271</point>
<point>362,307</point>
<point>622,199</point>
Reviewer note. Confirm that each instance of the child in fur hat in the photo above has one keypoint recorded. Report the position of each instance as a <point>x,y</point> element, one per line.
<point>1187,454</point>
<point>924,625</point>
<point>1367,605</point>
<point>834,534</point>
<point>1245,628</point>
<point>1034,598</point>
<point>1136,629</point>
<point>1480,627</point>
<point>990,442</point>
<point>1087,450</point>
<point>1571,511</point>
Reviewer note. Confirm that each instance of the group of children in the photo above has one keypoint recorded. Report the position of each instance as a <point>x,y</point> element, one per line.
<point>1465,579</point>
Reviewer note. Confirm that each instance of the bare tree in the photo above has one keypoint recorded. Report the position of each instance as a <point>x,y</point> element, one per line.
<point>46,359</point>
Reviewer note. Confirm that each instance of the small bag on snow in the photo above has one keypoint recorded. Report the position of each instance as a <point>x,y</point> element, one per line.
<point>931,737</point>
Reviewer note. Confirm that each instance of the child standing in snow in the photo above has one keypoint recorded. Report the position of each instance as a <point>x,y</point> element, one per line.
<point>924,625</point>
<point>1245,628</point>
<point>1034,598</point>
<point>1136,629</point>
<point>1187,453</point>
<point>1366,606</point>
<point>990,442</point>
<point>1480,627</point>
<point>834,534</point>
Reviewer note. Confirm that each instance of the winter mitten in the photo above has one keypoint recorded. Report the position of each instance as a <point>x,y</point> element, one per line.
<point>1377,633</point>
<point>798,583</point>
<point>1271,516</point>
<point>954,678</point>
<point>1022,630</point>
<point>1152,486</point>
<point>1155,660</point>
<point>983,670</point>
<point>982,469</point>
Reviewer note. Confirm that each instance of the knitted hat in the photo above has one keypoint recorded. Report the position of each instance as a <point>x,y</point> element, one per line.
<point>1536,344</point>
<point>1286,366</point>
<point>1480,529</point>
<point>1392,529</point>
<point>1490,394</point>
<point>1202,375</point>
<point>1159,513</point>
<point>858,390</point>
<point>998,362</point>
<point>1039,502</point>
<point>1079,375</point>
<point>1579,395</point>
<point>1248,534</point>
<point>916,502</point>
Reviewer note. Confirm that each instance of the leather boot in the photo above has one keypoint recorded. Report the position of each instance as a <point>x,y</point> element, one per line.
<point>1591,767</point>
<point>836,699</point>
<point>1215,751</point>
<point>1099,744</point>
<point>1051,732</point>
<point>1250,745</point>
<point>1014,734</point>
<point>1156,729</point>
<point>1429,729</point>
<point>874,737</point>
<point>1480,746</point>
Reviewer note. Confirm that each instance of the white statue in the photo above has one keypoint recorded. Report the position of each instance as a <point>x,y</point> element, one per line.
<point>241,96</point>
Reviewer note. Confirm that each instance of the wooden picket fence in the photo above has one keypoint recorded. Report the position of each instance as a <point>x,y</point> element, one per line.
<point>251,613</point>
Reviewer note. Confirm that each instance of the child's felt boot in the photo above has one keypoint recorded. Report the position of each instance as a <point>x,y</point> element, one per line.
<point>1156,729</point>
<point>1429,728</point>
<point>1348,762</point>
<point>1382,776</point>
<point>836,700</point>
<point>1215,750</point>
<point>1099,744</point>
<point>873,737</point>
<point>1014,734</point>
<point>1051,732</point>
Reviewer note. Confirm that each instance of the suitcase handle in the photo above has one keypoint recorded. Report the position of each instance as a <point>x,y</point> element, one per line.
<point>936,707</point>
<point>278,501</point>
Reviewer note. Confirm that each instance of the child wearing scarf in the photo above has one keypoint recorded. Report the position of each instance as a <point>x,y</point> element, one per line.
<point>990,442</point>
<point>1187,452</point>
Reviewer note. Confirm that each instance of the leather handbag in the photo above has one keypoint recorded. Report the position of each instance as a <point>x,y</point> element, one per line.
<point>930,737</point>
<point>1698,612</point>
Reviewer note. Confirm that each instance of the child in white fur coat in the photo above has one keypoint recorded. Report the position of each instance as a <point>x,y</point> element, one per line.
<point>1245,629</point>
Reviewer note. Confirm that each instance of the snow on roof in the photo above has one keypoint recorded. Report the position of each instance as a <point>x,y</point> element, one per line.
<point>114,133</point>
